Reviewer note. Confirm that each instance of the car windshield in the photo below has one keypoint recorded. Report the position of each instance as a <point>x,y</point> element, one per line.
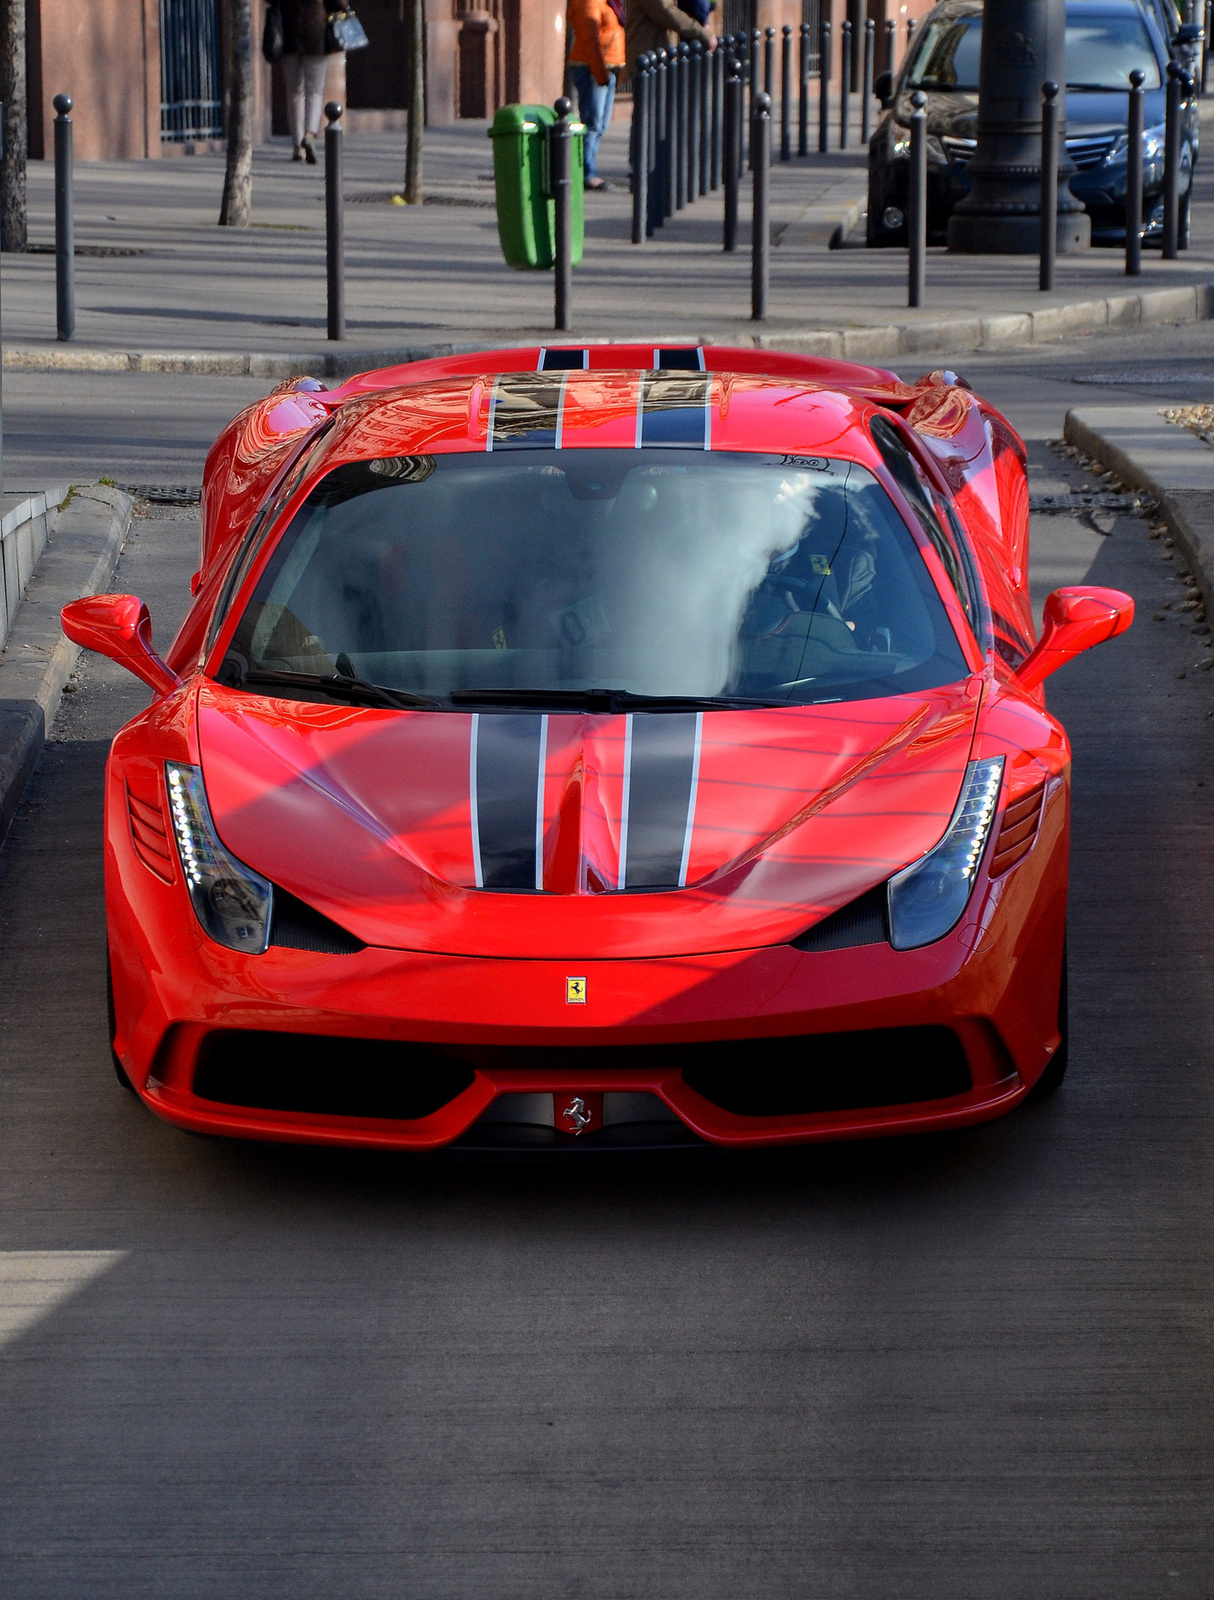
<point>1102,49</point>
<point>550,574</point>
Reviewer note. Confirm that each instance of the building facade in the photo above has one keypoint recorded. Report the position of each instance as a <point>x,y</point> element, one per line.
<point>147,76</point>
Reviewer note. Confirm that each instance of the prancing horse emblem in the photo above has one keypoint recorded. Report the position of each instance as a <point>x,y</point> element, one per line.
<point>575,1115</point>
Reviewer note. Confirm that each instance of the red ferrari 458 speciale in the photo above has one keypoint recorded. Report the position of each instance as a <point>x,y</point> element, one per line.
<point>621,746</point>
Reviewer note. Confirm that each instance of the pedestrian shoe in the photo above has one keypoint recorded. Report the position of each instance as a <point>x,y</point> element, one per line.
<point>309,150</point>
<point>596,183</point>
<point>298,153</point>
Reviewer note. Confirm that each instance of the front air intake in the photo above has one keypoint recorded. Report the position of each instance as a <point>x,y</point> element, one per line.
<point>325,1076</point>
<point>862,921</point>
<point>812,1073</point>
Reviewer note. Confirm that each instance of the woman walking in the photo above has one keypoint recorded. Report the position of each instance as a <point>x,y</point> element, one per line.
<point>305,66</point>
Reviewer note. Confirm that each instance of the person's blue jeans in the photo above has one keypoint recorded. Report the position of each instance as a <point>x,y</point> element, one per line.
<point>595,101</point>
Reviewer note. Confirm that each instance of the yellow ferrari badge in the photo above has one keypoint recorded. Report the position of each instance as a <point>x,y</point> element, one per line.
<point>575,991</point>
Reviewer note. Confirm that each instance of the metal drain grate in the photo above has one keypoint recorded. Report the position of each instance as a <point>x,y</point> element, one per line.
<point>165,494</point>
<point>1149,379</point>
<point>1085,502</point>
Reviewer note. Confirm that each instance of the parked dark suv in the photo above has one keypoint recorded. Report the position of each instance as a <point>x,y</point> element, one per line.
<point>1106,41</point>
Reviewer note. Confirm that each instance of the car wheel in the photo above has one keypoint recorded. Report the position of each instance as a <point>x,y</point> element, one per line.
<point>1053,1075</point>
<point>119,1070</point>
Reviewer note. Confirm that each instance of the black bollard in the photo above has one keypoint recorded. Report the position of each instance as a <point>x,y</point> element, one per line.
<point>65,222</point>
<point>910,33</point>
<point>695,58</point>
<point>560,165</point>
<point>717,60</point>
<point>670,122</point>
<point>866,85</point>
<point>803,92</point>
<point>760,245</point>
<point>845,73</point>
<point>732,152</point>
<point>754,86</point>
<point>1171,163</point>
<point>916,202</point>
<point>891,47</point>
<point>786,94</point>
<point>682,70</point>
<point>1049,185</point>
<point>824,87</point>
<point>655,137</point>
<point>1135,127</point>
<point>1205,43</point>
<point>705,165</point>
<point>640,149</point>
<point>335,244</point>
<point>769,63</point>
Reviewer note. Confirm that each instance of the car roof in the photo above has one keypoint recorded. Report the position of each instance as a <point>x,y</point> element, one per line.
<point>606,409</point>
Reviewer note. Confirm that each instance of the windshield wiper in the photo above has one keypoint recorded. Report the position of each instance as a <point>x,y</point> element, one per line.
<point>605,700</point>
<point>339,686</point>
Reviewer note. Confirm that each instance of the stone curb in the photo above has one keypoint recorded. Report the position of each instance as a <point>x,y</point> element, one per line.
<point>38,659</point>
<point>1007,331</point>
<point>1188,511</point>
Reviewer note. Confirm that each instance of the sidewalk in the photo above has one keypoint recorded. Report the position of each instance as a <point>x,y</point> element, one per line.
<point>160,286</point>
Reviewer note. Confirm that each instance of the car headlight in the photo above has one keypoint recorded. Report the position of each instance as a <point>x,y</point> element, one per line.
<point>1153,142</point>
<point>928,897</point>
<point>901,142</point>
<point>231,901</point>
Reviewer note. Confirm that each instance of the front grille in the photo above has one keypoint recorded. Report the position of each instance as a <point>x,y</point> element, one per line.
<point>1089,151</point>
<point>824,1072</point>
<point>326,1076</point>
<point>864,921</point>
<point>958,151</point>
<point>149,834</point>
<point>1084,150</point>
<point>1017,831</point>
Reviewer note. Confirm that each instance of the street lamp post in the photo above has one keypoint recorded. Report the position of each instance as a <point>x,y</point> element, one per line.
<point>1023,46</point>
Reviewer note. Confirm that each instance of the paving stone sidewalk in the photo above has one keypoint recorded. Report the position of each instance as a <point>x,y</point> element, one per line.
<point>157,278</point>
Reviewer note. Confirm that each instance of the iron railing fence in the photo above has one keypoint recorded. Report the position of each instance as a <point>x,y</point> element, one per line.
<point>191,71</point>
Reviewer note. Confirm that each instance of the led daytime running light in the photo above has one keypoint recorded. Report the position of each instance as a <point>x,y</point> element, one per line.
<point>927,899</point>
<point>232,902</point>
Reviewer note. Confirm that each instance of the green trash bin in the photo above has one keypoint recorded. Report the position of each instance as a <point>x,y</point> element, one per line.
<point>526,211</point>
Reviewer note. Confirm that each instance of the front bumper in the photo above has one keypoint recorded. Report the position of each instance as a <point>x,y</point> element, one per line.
<point>511,1026</point>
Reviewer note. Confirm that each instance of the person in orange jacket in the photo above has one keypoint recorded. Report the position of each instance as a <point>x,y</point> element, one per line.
<point>596,53</point>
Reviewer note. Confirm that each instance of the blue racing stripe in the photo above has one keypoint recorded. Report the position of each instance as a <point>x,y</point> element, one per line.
<point>676,410</point>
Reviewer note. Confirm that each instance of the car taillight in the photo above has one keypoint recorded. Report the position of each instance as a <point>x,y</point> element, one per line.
<point>232,902</point>
<point>927,899</point>
<point>1017,831</point>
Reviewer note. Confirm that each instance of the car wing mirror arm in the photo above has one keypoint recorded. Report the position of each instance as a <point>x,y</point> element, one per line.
<point>119,626</point>
<point>1074,620</point>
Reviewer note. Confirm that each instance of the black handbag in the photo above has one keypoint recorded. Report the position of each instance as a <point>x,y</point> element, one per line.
<point>344,31</point>
<point>273,39</point>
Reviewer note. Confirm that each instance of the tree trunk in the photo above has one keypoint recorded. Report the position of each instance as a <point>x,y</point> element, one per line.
<point>238,178</point>
<point>12,92</point>
<point>416,42</point>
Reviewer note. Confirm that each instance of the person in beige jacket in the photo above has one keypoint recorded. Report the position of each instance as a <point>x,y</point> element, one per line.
<point>658,24</point>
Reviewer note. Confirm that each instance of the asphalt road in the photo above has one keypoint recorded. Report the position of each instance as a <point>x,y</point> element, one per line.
<point>938,1368</point>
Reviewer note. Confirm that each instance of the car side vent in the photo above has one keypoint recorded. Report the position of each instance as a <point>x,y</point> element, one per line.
<point>863,921</point>
<point>1018,831</point>
<point>149,833</point>
<point>296,926</point>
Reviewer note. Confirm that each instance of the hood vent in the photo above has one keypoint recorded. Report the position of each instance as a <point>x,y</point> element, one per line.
<point>863,921</point>
<point>296,926</point>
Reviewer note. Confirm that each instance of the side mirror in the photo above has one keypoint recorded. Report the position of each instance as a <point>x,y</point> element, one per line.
<point>118,626</point>
<point>883,88</point>
<point>1075,620</point>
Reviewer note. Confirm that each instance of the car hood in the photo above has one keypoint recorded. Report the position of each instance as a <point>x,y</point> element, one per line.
<point>503,834</point>
<point>1089,112</point>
